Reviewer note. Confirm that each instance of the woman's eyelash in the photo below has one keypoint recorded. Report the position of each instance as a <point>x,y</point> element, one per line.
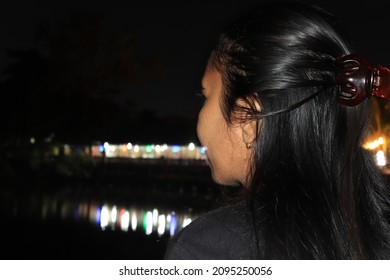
<point>200,94</point>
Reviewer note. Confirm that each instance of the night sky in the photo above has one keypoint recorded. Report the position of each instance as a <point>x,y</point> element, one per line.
<point>178,36</point>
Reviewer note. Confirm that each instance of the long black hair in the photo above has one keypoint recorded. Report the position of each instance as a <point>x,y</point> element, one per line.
<point>314,192</point>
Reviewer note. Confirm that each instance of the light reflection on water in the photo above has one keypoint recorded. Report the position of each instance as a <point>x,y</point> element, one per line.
<point>149,220</point>
<point>106,215</point>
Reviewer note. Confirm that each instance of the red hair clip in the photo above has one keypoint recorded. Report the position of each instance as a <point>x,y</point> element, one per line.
<point>360,80</point>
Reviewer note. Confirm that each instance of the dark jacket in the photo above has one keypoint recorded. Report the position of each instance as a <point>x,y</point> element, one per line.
<point>224,233</point>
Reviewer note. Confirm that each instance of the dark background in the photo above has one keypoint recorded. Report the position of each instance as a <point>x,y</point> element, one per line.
<point>87,70</point>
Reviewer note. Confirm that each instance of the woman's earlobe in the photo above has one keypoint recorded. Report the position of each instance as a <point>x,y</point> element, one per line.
<point>249,146</point>
<point>249,122</point>
<point>249,132</point>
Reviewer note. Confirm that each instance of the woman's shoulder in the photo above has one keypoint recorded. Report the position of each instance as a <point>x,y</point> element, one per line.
<point>224,233</point>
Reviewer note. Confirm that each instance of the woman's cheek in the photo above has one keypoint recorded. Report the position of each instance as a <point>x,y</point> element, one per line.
<point>200,127</point>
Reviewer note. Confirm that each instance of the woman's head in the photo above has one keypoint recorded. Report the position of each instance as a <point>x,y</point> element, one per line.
<point>272,122</point>
<point>272,59</point>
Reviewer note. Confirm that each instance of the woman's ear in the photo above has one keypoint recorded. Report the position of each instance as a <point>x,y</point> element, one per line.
<point>248,119</point>
<point>248,133</point>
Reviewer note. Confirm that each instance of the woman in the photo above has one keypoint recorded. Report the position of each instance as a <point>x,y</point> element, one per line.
<point>287,108</point>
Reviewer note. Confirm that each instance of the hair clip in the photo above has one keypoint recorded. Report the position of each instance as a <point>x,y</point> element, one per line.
<point>360,80</point>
